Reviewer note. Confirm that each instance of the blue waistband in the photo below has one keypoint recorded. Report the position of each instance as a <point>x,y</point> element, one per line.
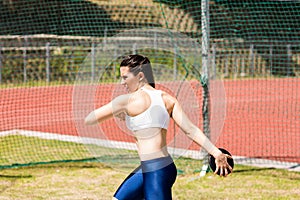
<point>156,164</point>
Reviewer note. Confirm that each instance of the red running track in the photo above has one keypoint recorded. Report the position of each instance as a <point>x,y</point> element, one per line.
<point>262,117</point>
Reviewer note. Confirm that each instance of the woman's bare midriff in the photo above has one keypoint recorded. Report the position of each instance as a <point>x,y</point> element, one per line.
<point>151,143</point>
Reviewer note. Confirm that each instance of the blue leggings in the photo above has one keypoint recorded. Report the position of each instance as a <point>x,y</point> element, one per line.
<point>152,180</point>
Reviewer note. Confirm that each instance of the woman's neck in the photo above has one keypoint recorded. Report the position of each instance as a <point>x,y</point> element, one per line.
<point>142,85</point>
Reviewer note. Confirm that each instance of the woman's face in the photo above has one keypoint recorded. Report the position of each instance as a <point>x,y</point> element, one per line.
<point>129,80</point>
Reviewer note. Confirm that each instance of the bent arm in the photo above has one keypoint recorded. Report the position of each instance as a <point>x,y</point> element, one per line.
<point>107,111</point>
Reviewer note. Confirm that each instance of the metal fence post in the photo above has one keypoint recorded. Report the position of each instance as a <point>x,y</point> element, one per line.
<point>134,47</point>
<point>25,59</point>
<point>1,66</point>
<point>289,54</point>
<point>251,57</point>
<point>93,62</point>
<point>205,78</point>
<point>48,62</point>
<point>175,64</point>
<point>115,67</point>
<point>271,58</point>
<point>213,62</point>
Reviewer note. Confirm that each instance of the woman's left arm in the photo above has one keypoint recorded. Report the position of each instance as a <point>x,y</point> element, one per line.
<point>193,132</point>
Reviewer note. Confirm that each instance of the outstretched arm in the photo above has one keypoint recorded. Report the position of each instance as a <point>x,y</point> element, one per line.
<point>107,111</point>
<point>194,133</point>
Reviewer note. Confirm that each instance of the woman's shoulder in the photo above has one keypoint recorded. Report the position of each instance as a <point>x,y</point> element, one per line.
<point>169,101</point>
<point>128,98</point>
<point>167,97</point>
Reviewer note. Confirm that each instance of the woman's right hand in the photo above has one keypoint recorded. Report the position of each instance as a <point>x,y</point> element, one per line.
<point>223,165</point>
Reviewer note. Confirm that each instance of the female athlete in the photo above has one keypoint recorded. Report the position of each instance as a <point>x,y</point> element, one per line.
<point>147,114</point>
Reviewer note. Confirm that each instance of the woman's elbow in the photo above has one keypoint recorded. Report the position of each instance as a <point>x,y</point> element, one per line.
<point>89,120</point>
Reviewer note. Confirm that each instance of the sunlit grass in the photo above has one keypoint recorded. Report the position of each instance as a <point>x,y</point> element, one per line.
<point>98,178</point>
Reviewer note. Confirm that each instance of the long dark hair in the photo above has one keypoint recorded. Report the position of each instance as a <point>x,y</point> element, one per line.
<point>138,63</point>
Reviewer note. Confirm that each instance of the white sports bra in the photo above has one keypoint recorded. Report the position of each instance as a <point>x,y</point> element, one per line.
<point>156,115</point>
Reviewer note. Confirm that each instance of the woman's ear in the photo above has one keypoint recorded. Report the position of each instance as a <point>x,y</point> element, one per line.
<point>141,76</point>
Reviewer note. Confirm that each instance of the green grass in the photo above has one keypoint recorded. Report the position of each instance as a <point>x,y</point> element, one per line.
<point>50,173</point>
<point>93,180</point>
<point>17,150</point>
